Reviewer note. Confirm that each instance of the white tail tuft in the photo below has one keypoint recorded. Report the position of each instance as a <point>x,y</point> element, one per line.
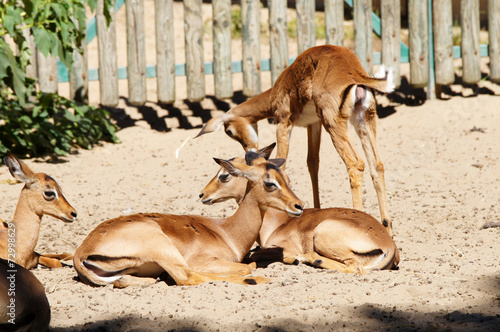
<point>387,74</point>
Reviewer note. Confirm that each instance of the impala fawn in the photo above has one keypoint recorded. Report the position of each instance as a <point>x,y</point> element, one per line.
<point>346,240</point>
<point>191,249</point>
<point>40,196</point>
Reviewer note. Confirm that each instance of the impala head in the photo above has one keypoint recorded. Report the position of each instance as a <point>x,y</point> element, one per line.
<point>42,192</point>
<point>224,187</point>
<point>237,127</point>
<point>268,183</point>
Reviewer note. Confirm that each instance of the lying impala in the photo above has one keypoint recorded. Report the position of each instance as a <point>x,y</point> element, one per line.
<point>40,196</point>
<point>339,239</point>
<point>191,249</point>
<point>30,310</point>
<point>325,85</point>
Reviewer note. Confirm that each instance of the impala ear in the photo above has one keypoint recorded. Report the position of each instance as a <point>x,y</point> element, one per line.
<point>19,170</point>
<point>234,168</point>
<point>266,152</point>
<point>215,123</point>
<point>278,162</point>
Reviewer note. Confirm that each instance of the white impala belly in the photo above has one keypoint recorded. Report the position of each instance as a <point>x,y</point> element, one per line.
<point>308,115</point>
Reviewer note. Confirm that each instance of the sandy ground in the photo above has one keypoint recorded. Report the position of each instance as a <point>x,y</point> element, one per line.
<point>442,161</point>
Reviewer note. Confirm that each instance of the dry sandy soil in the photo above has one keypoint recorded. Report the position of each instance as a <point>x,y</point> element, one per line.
<point>442,161</point>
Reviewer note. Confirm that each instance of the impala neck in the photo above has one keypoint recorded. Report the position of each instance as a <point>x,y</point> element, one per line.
<point>256,108</point>
<point>243,227</point>
<point>27,227</point>
<point>273,219</point>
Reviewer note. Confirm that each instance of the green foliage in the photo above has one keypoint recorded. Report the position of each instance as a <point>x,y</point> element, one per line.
<point>320,27</point>
<point>236,25</point>
<point>49,124</point>
<point>54,125</point>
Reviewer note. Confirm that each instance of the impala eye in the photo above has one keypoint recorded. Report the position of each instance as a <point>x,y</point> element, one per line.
<point>224,177</point>
<point>270,185</point>
<point>229,133</point>
<point>49,195</point>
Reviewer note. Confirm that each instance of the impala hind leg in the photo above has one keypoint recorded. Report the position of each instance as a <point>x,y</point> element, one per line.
<point>53,260</point>
<point>335,123</point>
<point>316,260</point>
<point>313,143</point>
<point>128,280</point>
<point>364,121</point>
<point>224,270</point>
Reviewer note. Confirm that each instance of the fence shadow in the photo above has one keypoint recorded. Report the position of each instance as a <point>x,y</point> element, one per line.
<point>404,95</point>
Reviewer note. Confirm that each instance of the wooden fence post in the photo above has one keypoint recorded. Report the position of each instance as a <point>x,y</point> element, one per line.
<point>108,68</point>
<point>31,69</point>
<point>334,22</point>
<point>78,76</point>
<point>222,48</point>
<point>419,39</point>
<point>165,51</point>
<point>250,22</point>
<point>363,41</point>
<point>195,66</point>
<point>278,36</point>
<point>306,25</point>
<point>136,52</point>
<point>494,31</point>
<point>391,38</point>
<point>443,42</point>
<point>469,18</point>
<point>47,73</point>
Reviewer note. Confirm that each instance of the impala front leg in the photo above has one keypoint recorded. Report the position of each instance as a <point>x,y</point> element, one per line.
<point>283,132</point>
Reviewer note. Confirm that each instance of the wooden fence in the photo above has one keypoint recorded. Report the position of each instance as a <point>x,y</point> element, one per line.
<point>430,52</point>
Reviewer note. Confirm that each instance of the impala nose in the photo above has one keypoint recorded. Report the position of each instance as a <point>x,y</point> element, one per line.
<point>201,195</point>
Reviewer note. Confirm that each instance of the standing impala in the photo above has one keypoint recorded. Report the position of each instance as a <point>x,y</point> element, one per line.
<point>340,239</point>
<point>40,196</point>
<point>191,249</point>
<point>326,85</point>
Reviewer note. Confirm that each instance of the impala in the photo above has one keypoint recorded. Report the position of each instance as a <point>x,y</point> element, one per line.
<point>191,249</point>
<point>340,239</point>
<point>326,85</point>
<point>40,196</point>
<point>23,303</point>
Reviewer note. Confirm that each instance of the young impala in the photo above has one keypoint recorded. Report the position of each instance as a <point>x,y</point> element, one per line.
<point>23,303</point>
<point>340,239</point>
<point>191,249</point>
<point>326,85</point>
<point>40,196</point>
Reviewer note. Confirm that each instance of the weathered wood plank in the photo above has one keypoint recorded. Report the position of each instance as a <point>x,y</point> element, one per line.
<point>443,42</point>
<point>195,66</point>
<point>108,68</point>
<point>363,40</point>
<point>469,18</point>
<point>278,37</point>
<point>306,25</point>
<point>47,73</point>
<point>136,52</point>
<point>222,48</point>
<point>419,40</point>
<point>494,31</point>
<point>250,21</point>
<point>391,37</point>
<point>78,76</point>
<point>334,22</point>
<point>165,51</point>
<point>31,69</point>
